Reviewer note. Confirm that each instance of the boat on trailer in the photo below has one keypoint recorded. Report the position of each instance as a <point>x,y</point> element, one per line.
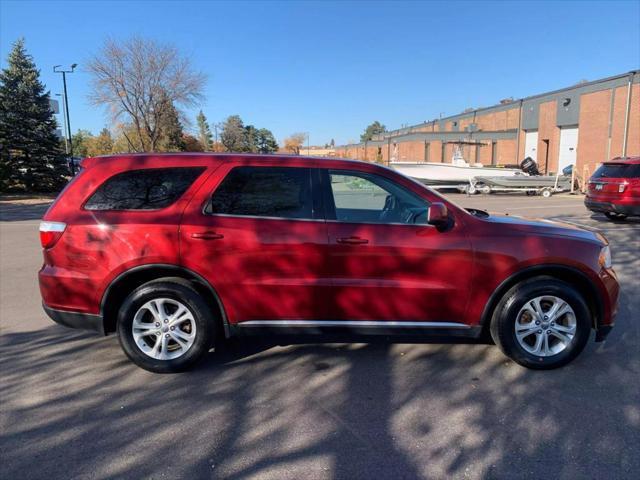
<point>452,175</point>
<point>544,185</point>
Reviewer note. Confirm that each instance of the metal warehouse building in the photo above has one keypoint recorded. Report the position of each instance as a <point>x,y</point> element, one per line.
<point>582,125</point>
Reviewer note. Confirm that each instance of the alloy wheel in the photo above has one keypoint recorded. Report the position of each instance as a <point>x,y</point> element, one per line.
<point>545,326</point>
<point>164,329</point>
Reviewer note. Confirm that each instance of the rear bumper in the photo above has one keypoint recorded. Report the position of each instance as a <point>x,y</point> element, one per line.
<point>604,207</point>
<point>82,321</point>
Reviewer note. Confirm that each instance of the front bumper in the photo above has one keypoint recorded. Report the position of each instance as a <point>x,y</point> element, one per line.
<point>604,207</point>
<point>83,321</point>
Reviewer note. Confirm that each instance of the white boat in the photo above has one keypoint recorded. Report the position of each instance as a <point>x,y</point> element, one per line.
<point>452,174</point>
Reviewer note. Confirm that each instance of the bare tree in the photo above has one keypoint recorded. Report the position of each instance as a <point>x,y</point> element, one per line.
<point>137,79</point>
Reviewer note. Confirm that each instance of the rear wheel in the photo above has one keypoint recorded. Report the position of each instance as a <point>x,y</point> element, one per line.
<point>165,326</point>
<point>542,323</point>
<point>615,216</point>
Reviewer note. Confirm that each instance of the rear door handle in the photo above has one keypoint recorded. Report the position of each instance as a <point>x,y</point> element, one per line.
<point>207,235</point>
<point>352,240</point>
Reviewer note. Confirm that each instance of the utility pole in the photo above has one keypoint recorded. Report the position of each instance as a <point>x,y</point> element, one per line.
<point>57,69</point>
<point>64,122</point>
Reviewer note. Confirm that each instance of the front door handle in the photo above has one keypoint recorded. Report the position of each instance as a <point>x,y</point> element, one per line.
<point>207,235</point>
<point>352,240</point>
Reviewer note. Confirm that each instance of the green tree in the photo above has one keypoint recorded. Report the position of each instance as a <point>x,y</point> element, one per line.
<point>101,144</point>
<point>374,129</point>
<point>250,139</point>
<point>81,141</point>
<point>332,143</point>
<point>265,141</point>
<point>233,135</point>
<point>170,129</point>
<point>30,154</point>
<point>204,132</point>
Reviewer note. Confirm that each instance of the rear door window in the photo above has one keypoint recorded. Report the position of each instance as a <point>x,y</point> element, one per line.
<point>148,189</point>
<point>276,192</point>
<point>617,170</point>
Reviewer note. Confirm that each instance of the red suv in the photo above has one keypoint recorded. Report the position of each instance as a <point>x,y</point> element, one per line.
<point>176,253</point>
<point>614,189</point>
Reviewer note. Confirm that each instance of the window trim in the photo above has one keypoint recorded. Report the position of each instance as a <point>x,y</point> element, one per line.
<point>202,169</point>
<point>327,197</point>
<point>316,208</point>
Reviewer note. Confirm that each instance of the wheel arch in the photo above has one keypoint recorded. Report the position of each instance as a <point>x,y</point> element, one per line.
<point>121,286</point>
<point>566,273</point>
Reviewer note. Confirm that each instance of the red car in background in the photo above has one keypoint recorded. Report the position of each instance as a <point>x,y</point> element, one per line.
<point>614,189</point>
<point>176,253</point>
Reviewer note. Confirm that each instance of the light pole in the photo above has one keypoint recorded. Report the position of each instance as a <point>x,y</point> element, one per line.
<point>64,122</point>
<point>57,69</point>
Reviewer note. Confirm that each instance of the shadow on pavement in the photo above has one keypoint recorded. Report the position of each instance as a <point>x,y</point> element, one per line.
<point>15,211</point>
<point>73,406</point>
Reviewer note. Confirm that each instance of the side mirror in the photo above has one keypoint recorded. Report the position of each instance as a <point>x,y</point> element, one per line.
<point>437,214</point>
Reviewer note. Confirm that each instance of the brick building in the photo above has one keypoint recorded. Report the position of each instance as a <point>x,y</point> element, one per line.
<point>583,125</point>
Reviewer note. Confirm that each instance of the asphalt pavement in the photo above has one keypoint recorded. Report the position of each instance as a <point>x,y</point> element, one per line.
<point>73,406</point>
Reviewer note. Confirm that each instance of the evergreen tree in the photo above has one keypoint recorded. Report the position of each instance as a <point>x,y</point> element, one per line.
<point>250,143</point>
<point>170,129</point>
<point>204,133</point>
<point>265,141</point>
<point>30,154</point>
<point>233,135</point>
<point>374,129</point>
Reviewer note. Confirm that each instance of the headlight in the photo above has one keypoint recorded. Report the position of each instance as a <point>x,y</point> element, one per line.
<point>605,257</point>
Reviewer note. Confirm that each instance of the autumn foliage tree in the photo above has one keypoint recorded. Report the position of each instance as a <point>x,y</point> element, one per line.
<point>138,80</point>
<point>294,142</point>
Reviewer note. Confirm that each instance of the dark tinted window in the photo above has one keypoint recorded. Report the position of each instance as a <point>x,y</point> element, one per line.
<point>617,170</point>
<point>264,192</point>
<point>361,197</point>
<point>148,189</point>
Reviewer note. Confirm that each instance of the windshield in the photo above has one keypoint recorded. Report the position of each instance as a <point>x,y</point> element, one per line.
<point>617,170</point>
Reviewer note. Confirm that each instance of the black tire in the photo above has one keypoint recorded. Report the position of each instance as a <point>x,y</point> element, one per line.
<point>503,323</point>
<point>175,289</point>
<point>615,216</point>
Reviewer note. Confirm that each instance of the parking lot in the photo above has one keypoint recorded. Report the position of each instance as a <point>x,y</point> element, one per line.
<point>73,406</point>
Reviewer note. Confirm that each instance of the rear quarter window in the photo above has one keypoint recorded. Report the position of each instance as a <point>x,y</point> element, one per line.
<point>617,170</point>
<point>148,189</point>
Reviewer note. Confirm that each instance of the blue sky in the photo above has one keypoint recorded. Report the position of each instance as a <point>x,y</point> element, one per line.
<point>330,68</point>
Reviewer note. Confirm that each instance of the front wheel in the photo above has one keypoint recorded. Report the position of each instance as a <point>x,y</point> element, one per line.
<point>542,323</point>
<point>165,326</point>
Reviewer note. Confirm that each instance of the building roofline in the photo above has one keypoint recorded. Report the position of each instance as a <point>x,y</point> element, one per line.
<point>410,129</point>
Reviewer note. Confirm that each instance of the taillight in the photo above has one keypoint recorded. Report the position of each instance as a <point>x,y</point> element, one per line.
<point>50,233</point>
<point>621,187</point>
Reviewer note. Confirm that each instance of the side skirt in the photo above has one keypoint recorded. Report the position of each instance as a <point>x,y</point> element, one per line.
<point>349,331</point>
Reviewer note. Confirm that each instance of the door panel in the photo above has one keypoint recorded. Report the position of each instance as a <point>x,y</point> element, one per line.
<point>262,268</point>
<point>401,273</point>
<point>384,264</point>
